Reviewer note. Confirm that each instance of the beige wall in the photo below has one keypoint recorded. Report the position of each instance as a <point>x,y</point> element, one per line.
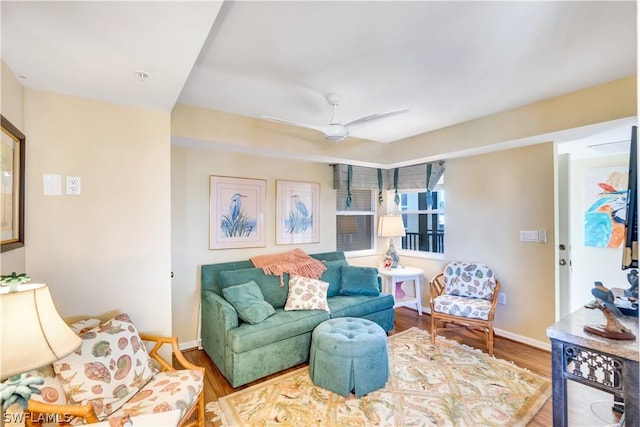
<point>490,198</point>
<point>191,168</point>
<point>12,109</point>
<point>108,249</point>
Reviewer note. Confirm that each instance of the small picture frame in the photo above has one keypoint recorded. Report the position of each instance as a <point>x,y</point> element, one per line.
<point>236,212</point>
<point>297,212</point>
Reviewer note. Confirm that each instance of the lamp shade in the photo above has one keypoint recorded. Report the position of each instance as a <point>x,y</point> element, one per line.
<point>32,333</point>
<point>390,226</point>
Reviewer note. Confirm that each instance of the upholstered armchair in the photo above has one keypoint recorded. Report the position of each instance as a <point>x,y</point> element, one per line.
<point>465,294</point>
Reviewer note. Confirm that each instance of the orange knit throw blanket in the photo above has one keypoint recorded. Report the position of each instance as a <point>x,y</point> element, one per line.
<point>293,262</point>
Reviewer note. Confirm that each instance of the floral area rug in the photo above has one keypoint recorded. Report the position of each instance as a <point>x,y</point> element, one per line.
<point>446,384</point>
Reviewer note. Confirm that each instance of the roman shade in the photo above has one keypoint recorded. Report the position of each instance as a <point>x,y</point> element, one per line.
<point>349,177</point>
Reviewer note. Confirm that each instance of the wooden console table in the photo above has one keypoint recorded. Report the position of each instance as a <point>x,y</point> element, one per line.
<point>606,364</point>
<point>391,277</point>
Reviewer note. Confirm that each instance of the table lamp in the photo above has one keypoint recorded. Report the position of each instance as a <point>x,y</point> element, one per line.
<point>32,334</point>
<point>391,226</point>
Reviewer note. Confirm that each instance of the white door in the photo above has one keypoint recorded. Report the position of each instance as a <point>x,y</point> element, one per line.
<point>563,251</point>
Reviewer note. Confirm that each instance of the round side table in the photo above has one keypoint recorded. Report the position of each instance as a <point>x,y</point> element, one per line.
<point>392,279</point>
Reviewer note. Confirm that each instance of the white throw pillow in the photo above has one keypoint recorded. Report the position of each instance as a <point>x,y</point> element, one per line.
<point>307,294</point>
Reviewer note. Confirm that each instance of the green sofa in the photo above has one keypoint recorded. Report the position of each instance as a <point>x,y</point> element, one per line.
<point>245,352</point>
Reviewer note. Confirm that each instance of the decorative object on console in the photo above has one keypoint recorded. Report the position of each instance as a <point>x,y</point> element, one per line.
<point>613,329</point>
<point>391,226</point>
<point>33,335</point>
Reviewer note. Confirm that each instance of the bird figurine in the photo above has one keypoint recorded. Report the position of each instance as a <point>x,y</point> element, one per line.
<point>632,278</point>
<point>613,329</point>
<point>606,297</point>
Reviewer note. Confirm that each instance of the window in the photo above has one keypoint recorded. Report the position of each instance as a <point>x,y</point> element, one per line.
<point>355,226</point>
<point>423,216</point>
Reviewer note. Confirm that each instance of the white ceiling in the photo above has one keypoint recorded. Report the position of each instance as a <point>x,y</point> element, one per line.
<point>446,62</point>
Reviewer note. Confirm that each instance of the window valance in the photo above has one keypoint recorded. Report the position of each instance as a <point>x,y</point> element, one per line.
<point>424,175</point>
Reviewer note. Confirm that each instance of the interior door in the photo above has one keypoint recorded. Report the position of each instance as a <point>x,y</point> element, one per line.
<point>563,251</point>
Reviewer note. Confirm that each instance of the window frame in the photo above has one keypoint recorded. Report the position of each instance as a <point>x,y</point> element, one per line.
<point>440,211</point>
<point>373,214</point>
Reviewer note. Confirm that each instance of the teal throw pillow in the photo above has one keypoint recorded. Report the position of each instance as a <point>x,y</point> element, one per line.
<point>359,281</point>
<point>248,301</point>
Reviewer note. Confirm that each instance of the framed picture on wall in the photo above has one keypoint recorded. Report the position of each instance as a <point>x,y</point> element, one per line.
<point>297,212</point>
<point>605,200</point>
<point>236,212</point>
<point>12,164</point>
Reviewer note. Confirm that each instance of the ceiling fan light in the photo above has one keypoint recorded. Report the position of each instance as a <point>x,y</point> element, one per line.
<point>335,138</point>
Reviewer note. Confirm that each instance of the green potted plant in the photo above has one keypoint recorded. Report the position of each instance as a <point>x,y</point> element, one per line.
<point>13,280</point>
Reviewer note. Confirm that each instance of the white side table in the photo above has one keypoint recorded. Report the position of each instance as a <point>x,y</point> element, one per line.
<point>392,279</point>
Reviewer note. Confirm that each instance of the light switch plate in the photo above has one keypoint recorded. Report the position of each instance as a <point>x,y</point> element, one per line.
<point>52,184</point>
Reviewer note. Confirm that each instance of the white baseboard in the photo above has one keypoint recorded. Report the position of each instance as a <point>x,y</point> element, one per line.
<point>510,335</point>
<point>189,345</point>
<point>522,339</point>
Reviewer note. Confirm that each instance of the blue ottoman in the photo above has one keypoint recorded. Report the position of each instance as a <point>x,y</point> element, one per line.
<point>349,354</point>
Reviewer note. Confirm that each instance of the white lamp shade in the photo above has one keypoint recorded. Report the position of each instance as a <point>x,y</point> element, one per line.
<point>32,333</point>
<point>390,226</point>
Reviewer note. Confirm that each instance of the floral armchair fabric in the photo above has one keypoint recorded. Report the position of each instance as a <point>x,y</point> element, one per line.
<point>466,293</point>
<point>112,374</point>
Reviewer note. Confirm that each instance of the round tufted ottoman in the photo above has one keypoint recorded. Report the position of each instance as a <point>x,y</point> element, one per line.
<point>349,354</point>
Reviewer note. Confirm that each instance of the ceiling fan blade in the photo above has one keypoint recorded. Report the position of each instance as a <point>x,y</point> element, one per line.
<point>368,119</point>
<point>323,129</point>
<point>332,132</point>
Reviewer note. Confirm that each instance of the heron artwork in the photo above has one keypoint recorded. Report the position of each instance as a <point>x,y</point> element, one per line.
<point>237,223</point>
<point>299,219</point>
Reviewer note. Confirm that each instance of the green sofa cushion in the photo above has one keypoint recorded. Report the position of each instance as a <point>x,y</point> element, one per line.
<point>248,302</point>
<point>359,305</point>
<point>333,276</point>
<point>269,285</point>
<point>279,327</point>
<point>359,281</point>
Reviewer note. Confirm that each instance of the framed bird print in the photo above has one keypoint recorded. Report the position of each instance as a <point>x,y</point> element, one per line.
<point>297,212</point>
<point>236,212</point>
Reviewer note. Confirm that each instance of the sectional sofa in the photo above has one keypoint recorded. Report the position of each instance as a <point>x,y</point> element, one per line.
<point>248,350</point>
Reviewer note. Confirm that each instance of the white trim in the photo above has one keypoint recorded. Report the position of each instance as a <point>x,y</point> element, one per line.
<point>509,335</point>
<point>522,339</point>
<point>189,345</point>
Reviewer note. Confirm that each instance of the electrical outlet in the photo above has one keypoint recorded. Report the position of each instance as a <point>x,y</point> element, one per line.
<point>73,185</point>
<point>502,298</point>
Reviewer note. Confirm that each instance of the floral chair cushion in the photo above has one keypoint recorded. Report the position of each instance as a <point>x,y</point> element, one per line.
<point>469,279</point>
<point>473,308</point>
<point>167,391</point>
<point>110,366</point>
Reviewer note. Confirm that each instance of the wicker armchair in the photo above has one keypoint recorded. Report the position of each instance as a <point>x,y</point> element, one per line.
<point>465,294</point>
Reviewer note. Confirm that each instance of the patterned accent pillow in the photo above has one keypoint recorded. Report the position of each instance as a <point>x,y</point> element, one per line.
<point>111,364</point>
<point>84,325</point>
<point>469,279</point>
<point>51,391</point>
<point>307,294</point>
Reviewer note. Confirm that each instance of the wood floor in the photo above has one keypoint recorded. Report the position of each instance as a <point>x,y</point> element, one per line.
<point>587,407</point>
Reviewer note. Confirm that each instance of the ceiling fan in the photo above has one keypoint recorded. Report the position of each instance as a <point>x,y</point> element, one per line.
<point>335,131</point>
